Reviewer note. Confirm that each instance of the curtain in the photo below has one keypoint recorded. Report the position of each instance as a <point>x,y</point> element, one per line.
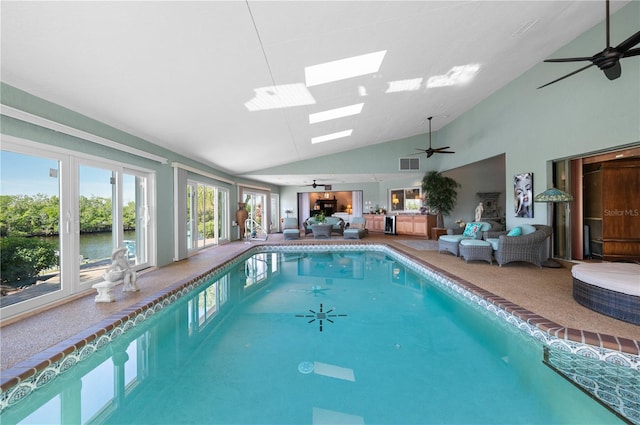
<point>356,203</point>
<point>179,214</point>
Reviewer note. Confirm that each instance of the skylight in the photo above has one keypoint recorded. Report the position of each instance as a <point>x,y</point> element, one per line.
<point>332,114</point>
<point>332,136</point>
<point>455,76</point>
<point>344,68</point>
<point>282,96</point>
<point>404,85</point>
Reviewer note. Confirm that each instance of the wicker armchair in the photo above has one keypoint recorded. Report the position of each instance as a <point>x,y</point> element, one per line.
<point>528,248</point>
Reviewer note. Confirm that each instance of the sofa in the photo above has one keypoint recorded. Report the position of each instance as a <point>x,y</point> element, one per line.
<point>337,225</point>
<point>523,243</point>
<point>473,230</point>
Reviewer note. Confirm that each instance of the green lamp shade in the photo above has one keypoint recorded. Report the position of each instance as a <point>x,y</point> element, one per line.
<point>553,195</point>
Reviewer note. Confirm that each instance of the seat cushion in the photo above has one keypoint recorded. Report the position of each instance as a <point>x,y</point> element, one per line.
<point>355,233</point>
<point>291,234</point>
<point>453,238</point>
<point>494,243</point>
<point>474,242</point>
<point>619,277</point>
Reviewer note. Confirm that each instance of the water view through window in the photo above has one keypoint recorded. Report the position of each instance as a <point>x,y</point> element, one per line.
<point>61,218</point>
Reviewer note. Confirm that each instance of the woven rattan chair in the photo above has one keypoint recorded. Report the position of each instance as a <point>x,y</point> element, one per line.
<point>528,248</point>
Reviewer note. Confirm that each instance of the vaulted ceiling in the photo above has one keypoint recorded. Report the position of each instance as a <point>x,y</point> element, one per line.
<point>217,81</point>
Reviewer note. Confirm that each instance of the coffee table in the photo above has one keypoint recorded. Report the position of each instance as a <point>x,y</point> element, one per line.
<point>321,231</point>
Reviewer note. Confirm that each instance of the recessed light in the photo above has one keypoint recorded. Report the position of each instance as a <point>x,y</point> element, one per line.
<point>332,136</point>
<point>282,96</point>
<point>332,114</point>
<point>404,85</point>
<point>455,76</point>
<point>344,68</point>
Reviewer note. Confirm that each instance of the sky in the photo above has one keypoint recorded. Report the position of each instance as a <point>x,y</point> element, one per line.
<point>22,174</point>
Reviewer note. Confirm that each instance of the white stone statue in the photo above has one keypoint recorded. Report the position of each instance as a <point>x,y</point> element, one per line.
<point>479,211</point>
<point>120,269</point>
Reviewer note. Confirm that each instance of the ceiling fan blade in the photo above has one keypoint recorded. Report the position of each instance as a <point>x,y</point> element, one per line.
<point>632,52</point>
<point>441,149</point>
<point>614,72</point>
<point>584,59</point>
<point>445,152</point>
<point>567,76</point>
<point>628,43</point>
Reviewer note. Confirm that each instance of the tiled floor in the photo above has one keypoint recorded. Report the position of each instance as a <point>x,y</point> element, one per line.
<point>540,295</point>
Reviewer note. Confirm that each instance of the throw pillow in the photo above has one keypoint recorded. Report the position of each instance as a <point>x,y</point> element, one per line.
<point>527,229</point>
<point>516,231</point>
<point>471,229</point>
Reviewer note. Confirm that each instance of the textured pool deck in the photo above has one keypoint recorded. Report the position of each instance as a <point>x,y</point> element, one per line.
<point>542,296</point>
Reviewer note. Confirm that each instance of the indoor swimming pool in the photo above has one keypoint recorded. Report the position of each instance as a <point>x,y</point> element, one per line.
<point>346,335</point>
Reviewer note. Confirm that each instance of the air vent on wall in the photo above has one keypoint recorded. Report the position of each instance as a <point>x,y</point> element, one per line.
<point>407,164</point>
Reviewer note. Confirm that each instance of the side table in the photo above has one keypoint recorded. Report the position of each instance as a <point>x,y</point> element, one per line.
<point>436,232</point>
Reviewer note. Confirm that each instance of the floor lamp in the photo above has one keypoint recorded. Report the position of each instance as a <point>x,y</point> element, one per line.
<point>552,196</point>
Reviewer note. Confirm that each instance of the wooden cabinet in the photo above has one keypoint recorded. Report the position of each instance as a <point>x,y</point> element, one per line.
<point>415,225</point>
<point>375,222</point>
<point>612,209</point>
<point>404,225</point>
<point>327,206</point>
<point>621,210</point>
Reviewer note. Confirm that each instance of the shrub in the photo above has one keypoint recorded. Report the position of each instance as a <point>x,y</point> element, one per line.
<point>24,258</point>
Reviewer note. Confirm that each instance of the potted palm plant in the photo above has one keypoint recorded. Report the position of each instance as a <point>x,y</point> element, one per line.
<point>440,194</point>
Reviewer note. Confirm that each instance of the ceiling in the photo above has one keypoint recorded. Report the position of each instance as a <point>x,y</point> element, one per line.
<point>179,74</point>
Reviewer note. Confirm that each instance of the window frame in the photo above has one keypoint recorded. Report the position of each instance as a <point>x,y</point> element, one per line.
<point>401,194</point>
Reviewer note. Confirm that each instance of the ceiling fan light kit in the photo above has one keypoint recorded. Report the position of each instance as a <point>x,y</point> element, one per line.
<point>607,60</point>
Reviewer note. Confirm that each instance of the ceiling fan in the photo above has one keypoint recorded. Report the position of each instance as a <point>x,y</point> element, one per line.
<point>607,60</point>
<point>431,151</point>
<point>314,185</point>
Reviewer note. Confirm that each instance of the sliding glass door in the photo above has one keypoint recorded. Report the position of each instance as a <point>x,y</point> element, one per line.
<point>62,217</point>
<point>207,215</point>
<point>33,226</point>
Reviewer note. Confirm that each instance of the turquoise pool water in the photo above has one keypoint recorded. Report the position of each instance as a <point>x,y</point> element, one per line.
<point>314,338</point>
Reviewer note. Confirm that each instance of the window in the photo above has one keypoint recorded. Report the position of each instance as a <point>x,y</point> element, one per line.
<point>73,211</point>
<point>405,200</point>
